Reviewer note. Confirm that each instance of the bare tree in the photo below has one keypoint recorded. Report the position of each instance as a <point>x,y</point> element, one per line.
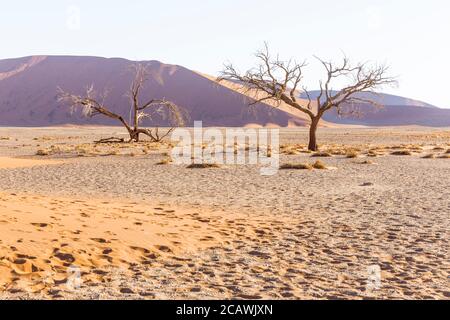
<point>280,81</point>
<point>92,104</point>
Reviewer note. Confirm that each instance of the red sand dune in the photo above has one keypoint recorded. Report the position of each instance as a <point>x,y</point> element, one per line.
<point>28,88</point>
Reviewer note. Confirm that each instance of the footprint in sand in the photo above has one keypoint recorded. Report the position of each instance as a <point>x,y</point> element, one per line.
<point>65,257</point>
<point>39,224</point>
<point>163,248</point>
<point>100,240</point>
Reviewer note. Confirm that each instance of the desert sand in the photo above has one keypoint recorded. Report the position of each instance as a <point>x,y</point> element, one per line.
<point>136,229</point>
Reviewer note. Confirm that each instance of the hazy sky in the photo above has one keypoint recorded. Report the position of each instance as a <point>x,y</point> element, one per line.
<point>411,36</point>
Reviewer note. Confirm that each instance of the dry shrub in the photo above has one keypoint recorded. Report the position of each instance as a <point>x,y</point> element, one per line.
<point>203,165</point>
<point>296,166</point>
<point>165,161</point>
<point>438,148</point>
<point>429,156</point>
<point>444,156</point>
<point>42,152</point>
<point>373,153</point>
<point>402,153</point>
<point>290,152</point>
<point>448,151</point>
<point>352,154</point>
<point>322,154</point>
<point>415,148</point>
<point>5,138</point>
<point>336,152</point>
<point>113,152</point>
<point>319,165</point>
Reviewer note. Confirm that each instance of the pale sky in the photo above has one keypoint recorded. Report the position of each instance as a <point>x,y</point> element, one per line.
<point>411,36</point>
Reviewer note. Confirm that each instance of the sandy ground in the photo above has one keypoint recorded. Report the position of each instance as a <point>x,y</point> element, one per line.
<point>134,229</point>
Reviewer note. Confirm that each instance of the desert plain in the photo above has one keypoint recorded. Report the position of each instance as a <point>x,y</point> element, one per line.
<point>80,220</point>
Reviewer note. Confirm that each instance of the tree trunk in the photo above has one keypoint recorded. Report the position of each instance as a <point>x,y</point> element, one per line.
<point>312,134</point>
<point>134,135</point>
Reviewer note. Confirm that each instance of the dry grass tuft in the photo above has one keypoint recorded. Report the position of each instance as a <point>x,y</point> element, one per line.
<point>373,153</point>
<point>322,154</point>
<point>429,156</point>
<point>352,154</point>
<point>296,166</point>
<point>444,156</point>
<point>319,165</point>
<point>291,152</point>
<point>402,153</point>
<point>165,161</point>
<point>203,165</point>
<point>42,152</point>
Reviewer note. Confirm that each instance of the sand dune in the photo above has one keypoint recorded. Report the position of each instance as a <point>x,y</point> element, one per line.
<point>28,93</point>
<point>9,163</point>
<point>28,89</point>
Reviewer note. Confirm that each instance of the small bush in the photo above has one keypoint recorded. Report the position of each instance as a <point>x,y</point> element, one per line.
<point>291,152</point>
<point>402,153</point>
<point>296,166</point>
<point>321,154</point>
<point>165,161</point>
<point>429,156</point>
<point>444,156</point>
<point>372,153</point>
<point>203,165</point>
<point>319,165</point>
<point>42,152</point>
<point>352,154</point>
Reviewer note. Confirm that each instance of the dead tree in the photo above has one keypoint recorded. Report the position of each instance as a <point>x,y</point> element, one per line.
<point>93,104</point>
<point>280,81</point>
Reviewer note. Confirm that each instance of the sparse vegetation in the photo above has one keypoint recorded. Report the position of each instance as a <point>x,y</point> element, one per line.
<point>372,153</point>
<point>319,165</point>
<point>165,161</point>
<point>352,154</point>
<point>322,154</point>
<point>296,166</point>
<point>42,152</point>
<point>280,81</point>
<point>203,165</point>
<point>401,153</point>
<point>429,156</point>
<point>93,104</point>
<point>291,152</point>
<point>104,149</point>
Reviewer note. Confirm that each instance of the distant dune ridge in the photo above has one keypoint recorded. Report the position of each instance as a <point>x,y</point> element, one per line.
<point>28,88</point>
